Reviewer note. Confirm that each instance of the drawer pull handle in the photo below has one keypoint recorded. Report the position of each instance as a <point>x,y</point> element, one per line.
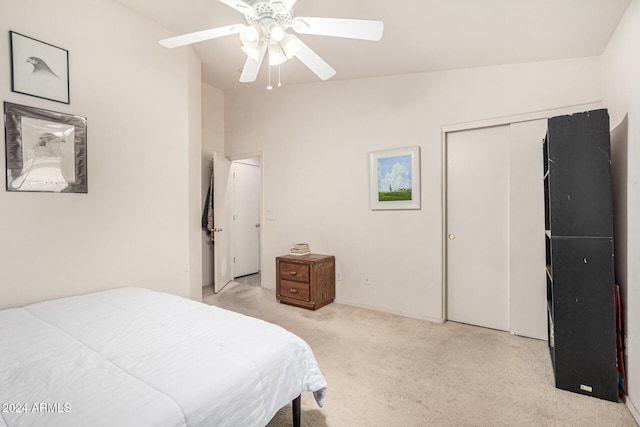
<point>293,273</point>
<point>293,291</point>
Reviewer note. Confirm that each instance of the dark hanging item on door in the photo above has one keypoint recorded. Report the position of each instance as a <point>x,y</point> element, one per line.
<point>207,212</point>
<point>579,254</point>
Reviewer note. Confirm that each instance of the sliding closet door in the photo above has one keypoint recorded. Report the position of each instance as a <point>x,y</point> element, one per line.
<point>478,227</point>
<point>528,284</point>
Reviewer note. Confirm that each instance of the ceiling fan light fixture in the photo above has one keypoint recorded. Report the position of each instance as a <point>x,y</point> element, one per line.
<point>252,41</point>
<point>268,22</point>
<point>290,44</point>
<point>277,56</point>
<point>276,32</point>
<point>252,52</point>
<point>284,50</point>
<point>251,35</point>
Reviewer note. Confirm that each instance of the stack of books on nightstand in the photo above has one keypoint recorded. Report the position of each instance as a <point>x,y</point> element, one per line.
<point>300,249</point>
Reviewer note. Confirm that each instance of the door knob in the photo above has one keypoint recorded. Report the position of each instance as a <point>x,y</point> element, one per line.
<point>257,225</point>
<point>452,236</point>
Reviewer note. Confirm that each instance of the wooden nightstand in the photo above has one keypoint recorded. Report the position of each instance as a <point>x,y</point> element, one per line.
<point>307,281</point>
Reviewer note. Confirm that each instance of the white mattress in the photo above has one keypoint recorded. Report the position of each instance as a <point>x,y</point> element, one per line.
<point>136,357</point>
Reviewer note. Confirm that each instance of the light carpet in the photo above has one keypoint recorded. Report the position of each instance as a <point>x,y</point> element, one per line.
<point>387,370</point>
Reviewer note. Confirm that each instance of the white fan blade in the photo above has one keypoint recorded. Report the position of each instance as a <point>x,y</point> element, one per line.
<point>316,64</point>
<point>239,5</point>
<point>282,6</point>
<point>335,27</point>
<point>251,67</point>
<point>199,36</point>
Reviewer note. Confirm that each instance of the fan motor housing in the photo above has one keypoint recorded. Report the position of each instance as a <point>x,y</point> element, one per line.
<point>262,9</point>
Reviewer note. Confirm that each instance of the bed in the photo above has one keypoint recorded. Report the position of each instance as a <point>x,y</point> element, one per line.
<point>137,357</point>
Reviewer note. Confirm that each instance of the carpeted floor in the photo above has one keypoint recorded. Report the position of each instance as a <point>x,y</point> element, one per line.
<point>386,370</point>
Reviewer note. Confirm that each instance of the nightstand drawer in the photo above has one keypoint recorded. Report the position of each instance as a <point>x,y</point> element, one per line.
<point>295,272</point>
<point>295,290</point>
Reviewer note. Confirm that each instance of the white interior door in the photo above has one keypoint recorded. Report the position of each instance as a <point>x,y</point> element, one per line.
<point>222,261</point>
<point>478,227</point>
<point>246,218</point>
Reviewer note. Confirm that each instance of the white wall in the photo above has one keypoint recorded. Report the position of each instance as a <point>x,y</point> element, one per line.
<point>134,226</point>
<point>193,167</point>
<point>621,68</point>
<point>212,141</point>
<point>315,141</point>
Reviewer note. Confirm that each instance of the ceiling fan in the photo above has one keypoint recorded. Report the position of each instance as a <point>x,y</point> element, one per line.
<point>267,22</point>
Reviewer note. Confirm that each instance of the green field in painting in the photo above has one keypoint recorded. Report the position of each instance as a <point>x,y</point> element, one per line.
<point>394,196</point>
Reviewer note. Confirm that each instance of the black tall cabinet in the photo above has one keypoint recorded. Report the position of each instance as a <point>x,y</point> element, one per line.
<point>579,253</point>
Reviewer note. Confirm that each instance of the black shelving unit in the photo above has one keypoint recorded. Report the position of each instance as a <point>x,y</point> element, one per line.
<point>579,254</point>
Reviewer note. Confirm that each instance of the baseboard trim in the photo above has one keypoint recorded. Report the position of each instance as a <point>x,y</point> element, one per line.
<point>390,311</point>
<point>634,411</point>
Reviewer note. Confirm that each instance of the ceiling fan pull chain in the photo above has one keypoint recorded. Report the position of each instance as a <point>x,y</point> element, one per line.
<point>269,87</point>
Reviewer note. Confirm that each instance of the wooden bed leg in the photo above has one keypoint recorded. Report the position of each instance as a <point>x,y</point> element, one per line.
<point>295,406</point>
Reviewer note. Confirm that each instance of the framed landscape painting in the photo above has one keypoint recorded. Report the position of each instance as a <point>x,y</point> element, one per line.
<point>394,179</point>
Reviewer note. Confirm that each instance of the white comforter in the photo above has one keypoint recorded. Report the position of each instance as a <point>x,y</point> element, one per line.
<point>134,357</point>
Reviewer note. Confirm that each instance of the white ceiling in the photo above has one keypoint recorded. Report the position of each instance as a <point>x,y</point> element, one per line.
<point>419,35</point>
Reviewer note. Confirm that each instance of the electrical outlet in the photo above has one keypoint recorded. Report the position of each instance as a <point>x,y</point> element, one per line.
<point>367,280</point>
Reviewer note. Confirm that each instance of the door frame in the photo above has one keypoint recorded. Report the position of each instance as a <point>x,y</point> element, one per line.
<point>499,121</point>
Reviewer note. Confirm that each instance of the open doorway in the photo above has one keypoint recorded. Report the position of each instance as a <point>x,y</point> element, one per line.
<point>246,228</point>
<point>233,249</point>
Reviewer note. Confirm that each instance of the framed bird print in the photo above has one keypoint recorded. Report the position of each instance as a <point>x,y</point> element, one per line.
<point>39,69</point>
<point>46,151</point>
